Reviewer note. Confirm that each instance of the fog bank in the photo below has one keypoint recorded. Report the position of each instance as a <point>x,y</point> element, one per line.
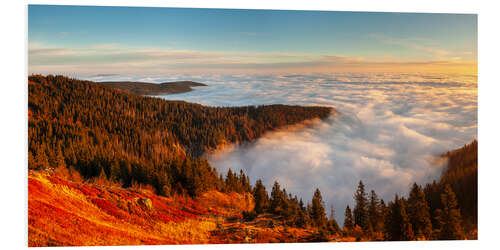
<point>389,131</point>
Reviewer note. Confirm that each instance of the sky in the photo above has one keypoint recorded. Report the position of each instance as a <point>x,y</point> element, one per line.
<point>85,40</point>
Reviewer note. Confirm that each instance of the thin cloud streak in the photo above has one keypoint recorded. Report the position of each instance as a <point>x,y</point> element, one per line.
<point>119,59</point>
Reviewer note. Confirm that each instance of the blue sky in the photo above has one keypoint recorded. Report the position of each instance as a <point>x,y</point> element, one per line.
<point>86,40</point>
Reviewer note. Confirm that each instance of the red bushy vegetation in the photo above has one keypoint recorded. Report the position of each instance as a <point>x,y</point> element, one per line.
<point>66,213</point>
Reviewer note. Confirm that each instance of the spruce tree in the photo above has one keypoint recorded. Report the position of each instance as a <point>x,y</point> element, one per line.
<point>419,214</point>
<point>449,217</point>
<point>375,213</point>
<point>332,212</point>
<point>277,199</point>
<point>260,196</point>
<point>41,160</point>
<point>60,162</point>
<point>397,226</point>
<point>361,208</point>
<point>115,170</point>
<point>333,226</point>
<point>348,220</point>
<point>318,216</point>
<point>31,160</point>
<point>383,214</point>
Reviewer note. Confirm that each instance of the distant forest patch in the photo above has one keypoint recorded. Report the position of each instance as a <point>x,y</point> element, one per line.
<point>145,88</point>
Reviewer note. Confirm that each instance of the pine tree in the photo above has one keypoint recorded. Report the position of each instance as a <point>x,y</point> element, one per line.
<point>277,199</point>
<point>114,170</point>
<point>449,217</point>
<point>419,213</point>
<point>301,205</point>
<point>333,226</point>
<point>102,178</point>
<point>332,213</point>
<point>348,220</point>
<point>375,212</point>
<point>31,160</point>
<point>41,160</point>
<point>260,196</point>
<point>318,216</point>
<point>398,226</point>
<point>383,214</point>
<point>361,208</point>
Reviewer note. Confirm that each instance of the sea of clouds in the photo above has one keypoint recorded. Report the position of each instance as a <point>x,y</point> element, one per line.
<point>389,133</point>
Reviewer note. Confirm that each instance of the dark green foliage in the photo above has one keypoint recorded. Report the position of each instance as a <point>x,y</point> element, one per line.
<point>281,204</point>
<point>278,199</point>
<point>260,196</point>
<point>419,213</point>
<point>236,183</point>
<point>432,192</point>
<point>461,174</point>
<point>137,139</point>
<point>318,217</point>
<point>397,225</point>
<point>348,220</point>
<point>146,88</point>
<point>332,224</point>
<point>375,212</point>
<point>449,218</point>
<point>360,211</point>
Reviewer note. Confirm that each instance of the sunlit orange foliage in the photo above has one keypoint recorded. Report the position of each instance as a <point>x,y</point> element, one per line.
<point>66,213</point>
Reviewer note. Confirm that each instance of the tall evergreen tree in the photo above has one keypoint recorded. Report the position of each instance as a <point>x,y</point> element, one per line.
<point>333,226</point>
<point>375,212</point>
<point>260,196</point>
<point>31,160</point>
<point>60,162</point>
<point>419,214</point>
<point>41,160</point>
<point>449,217</point>
<point>277,199</point>
<point>361,208</point>
<point>348,220</point>
<point>318,216</point>
<point>332,213</point>
<point>398,225</point>
<point>383,214</point>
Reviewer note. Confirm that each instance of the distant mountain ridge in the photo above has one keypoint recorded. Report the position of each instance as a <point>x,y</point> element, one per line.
<point>146,88</point>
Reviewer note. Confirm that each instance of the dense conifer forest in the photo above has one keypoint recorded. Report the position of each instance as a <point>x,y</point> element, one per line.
<point>100,131</point>
<point>146,88</point>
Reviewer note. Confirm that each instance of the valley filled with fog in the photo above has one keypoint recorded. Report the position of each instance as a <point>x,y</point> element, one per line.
<point>389,132</point>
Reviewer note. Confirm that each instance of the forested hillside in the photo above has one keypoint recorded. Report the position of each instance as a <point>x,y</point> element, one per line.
<point>99,131</point>
<point>461,175</point>
<point>146,88</point>
<point>442,210</point>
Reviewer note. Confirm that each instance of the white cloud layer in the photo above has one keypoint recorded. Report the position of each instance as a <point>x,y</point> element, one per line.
<point>390,130</point>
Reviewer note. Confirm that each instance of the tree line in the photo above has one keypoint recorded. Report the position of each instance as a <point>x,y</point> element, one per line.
<point>100,131</point>
<point>404,219</point>
<point>441,210</point>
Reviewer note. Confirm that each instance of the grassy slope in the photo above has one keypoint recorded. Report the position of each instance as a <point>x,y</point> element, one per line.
<point>66,213</point>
